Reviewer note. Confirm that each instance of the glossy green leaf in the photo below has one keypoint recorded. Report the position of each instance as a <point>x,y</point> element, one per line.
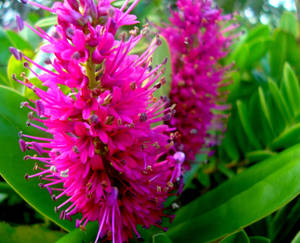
<point>161,238</point>
<point>16,67</point>
<point>284,48</point>
<point>265,108</point>
<point>47,22</point>
<point>288,23</point>
<point>257,50</point>
<point>32,234</point>
<point>278,53</point>
<point>4,53</point>
<point>259,32</point>
<point>241,201</point>
<point>297,238</point>
<point>80,236</point>
<point>239,237</point>
<point>259,155</point>
<point>160,54</point>
<point>12,166</point>
<point>287,138</point>
<point>259,239</point>
<point>246,124</point>
<point>280,102</point>
<point>291,88</point>
<point>17,41</point>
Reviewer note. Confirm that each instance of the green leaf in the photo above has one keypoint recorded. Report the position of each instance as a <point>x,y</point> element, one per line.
<point>12,166</point>
<point>47,22</point>
<point>160,54</point>
<point>284,48</point>
<point>17,41</point>
<point>297,238</point>
<point>288,23</point>
<point>259,239</point>
<point>161,238</point>
<point>32,234</point>
<point>259,32</point>
<point>16,67</point>
<point>265,108</point>
<point>246,124</point>
<point>288,137</point>
<point>259,155</point>
<point>291,88</point>
<point>4,53</point>
<point>79,236</point>
<point>278,53</point>
<point>239,237</point>
<point>257,50</point>
<point>280,102</point>
<point>241,201</point>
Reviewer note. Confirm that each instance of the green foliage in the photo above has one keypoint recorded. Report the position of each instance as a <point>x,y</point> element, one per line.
<point>32,234</point>
<point>12,166</point>
<point>244,199</point>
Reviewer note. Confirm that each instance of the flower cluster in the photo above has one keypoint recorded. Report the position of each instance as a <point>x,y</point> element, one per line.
<point>96,108</point>
<point>197,42</point>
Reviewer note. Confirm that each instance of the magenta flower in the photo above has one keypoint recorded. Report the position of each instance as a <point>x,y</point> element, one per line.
<point>100,151</point>
<point>197,42</point>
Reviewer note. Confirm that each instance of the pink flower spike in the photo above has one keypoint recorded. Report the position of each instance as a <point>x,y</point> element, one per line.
<point>101,151</point>
<point>197,42</point>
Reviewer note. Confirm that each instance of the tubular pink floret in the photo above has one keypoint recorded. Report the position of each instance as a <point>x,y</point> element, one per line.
<point>101,149</point>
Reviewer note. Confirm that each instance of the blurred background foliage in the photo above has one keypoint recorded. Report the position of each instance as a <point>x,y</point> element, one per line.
<point>245,192</point>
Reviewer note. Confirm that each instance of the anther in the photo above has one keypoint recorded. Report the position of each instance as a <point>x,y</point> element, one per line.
<point>52,168</point>
<point>53,197</point>
<point>26,177</point>
<point>94,119</point>
<point>158,40</point>
<point>41,185</point>
<point>56,209</point>
<point>36,166</point>
<point>17,54</point>
<point>107,99</point>
<point>28,123</point>
<point>133,85</point>
<point>157,86</point>
<point>143,117</point>
<point>167,117</point>
<point>20,134</point>
<point>26,157</point>
<point>26,64</point>
<point>48,61</point>
<point>20,23</point>
<point>64,173</point>
<point>30,115</point>
<point>25,103</point>
<point>75,149</point>
<point>175,206</point>
<point>109,120</point>
<point>14,77</point>
<point>165,61</point>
